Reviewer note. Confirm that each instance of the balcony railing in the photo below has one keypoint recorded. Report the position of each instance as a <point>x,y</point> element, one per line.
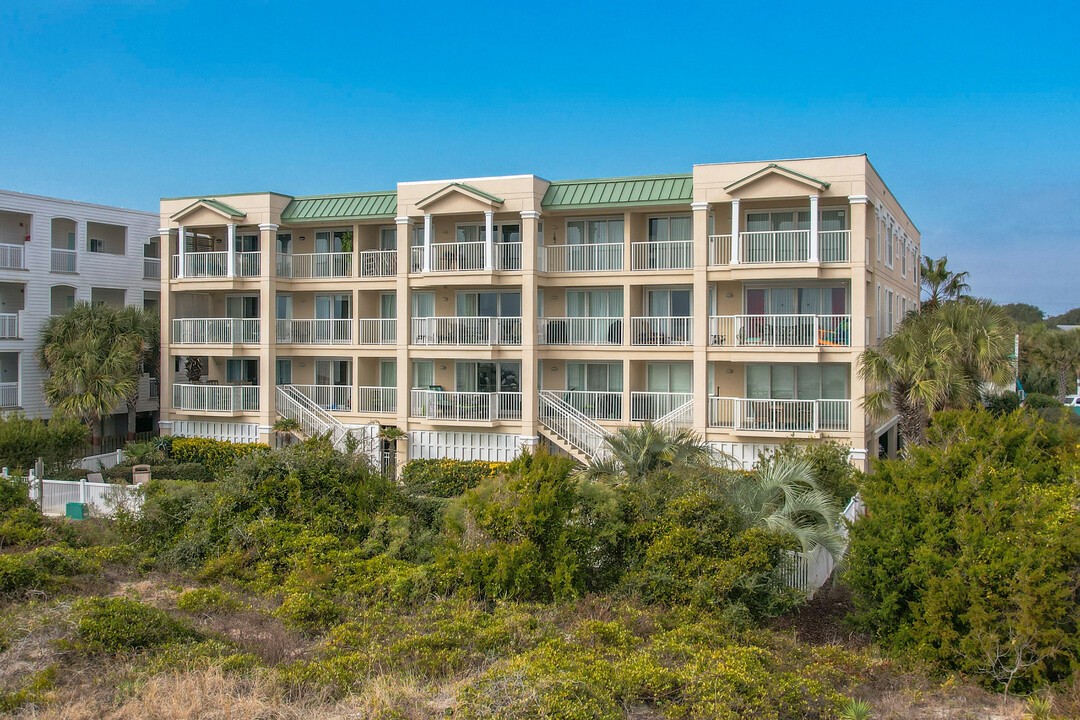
<point>655,405</point>
<point>457,257</point>
<point>248,264</point>
<point>372,399</point>
<point>319,331</point>
<point>661,331</point>
<point>508,256</point>
<point>64,261</point>
<point>216,264</point>
<point>215,398</point>
<point>9,326</point>
<point>416,259</point>
<point>223,331</point>
<point>151,268</point>
<point>12,256</point>
<point>719,250</point>
<point>336,398</point>
<point>466,331</point>
<point>662,255</point>
<point>376,331</point>
<point>9,394</point>
<point>481,406</point>
<point>314,265</point>
<point>780,246</point>
<point>580,331</point>
<point>783,416</point>
<point>591,257</point>
<point>833,245</point>
<point>378,263</point>
<point>780,330</point>
<point>595,405</point>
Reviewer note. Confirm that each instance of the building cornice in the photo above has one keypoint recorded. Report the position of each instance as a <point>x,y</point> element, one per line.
<point>858,199</point>
<point>268,226</point>
<point>530,215</point>
<point>699,206</point>
<point>403,220</point>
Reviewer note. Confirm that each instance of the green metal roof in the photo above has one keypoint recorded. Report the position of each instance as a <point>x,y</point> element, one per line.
<point>616,192</point>
<point>351,206</point>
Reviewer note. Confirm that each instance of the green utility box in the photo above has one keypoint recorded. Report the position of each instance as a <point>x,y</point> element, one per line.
<point>76,511</point>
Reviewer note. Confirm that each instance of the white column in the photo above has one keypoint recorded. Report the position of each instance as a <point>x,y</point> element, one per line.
<point>230,259</point>
<point>427,243</point>
<point>180,243</point>
<point>814,254</point>
<point>735,231</point>
<point>489,239</point>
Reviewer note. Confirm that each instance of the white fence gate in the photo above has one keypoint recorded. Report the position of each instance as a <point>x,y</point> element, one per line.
<point>104,461</point>
<point>103,498</point>
<point>809,571</point>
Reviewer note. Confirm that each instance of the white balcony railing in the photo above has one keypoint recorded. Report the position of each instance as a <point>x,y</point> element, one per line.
<point>507,256</point>
<point>215,398</point>
<point>305,266</point>
<point>482,406</point>
<point>662,255</point>
<point>591,257</point>
<point>416,259</point>
<point>64,261</point>
<point>580,331</point>
<point>202,265</point>
<point>9,326</point>
<point>661,331</point>
<point>655,405</point>
<point>780,330</point>
<point>594,405</point>
<point>336,398</point>
<point>248,264</point>
<point>378,263</point>
<point>9,394</point>
<point>151,268</point>
<point>318,331</point>
<point>224,331</point>
<point>833,245</point>
<point>784,416</point>
<point>466,331</point>
<point>780,246</point>
<point>719,250</point>
<point>456,257</point>
<point>11,256</point>
<point>376,331</point>
<point>372,399</point>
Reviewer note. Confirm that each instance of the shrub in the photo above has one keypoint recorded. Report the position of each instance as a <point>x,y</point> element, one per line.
<point>309,610</point>
<point>1004,404</point>
<point>48,569</point>
<point>969,553</point>
<point>215,455</point>
<point>22,526</point>
<point>208,600</point>
<point>830,462</point>
<point>14,493</point>
<point>1037,401</point>
<point>446,478</point>
<point>58,442</point>
<point>122,624</point>
<point>184,472</point>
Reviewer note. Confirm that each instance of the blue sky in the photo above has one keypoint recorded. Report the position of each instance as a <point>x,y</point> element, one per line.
<point>971,111</point>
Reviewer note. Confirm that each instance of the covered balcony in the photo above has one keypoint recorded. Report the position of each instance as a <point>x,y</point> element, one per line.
<point>594,389</point>
<point>106,238</point>
<point>461,233</point>
<point>15,231</point>
<point>10,396</point>
<point>215,398</point>
<point>814,315</point>
<point>780,398</point>
<point>480,318</point>
<point>332,257</point>
<point>216,319</point>
<point>63,253</point>
<point>323,319</point>
<point>215,385</point>
<point>661,392</point>
<point>152,259</point>
<point>212,242</point>
<point>667,321</point>
<point>12,299</point>
<point>484,391</point>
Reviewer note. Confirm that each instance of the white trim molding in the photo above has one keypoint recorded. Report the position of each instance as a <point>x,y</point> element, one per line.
<point>699,206</point>
<point>858,199</point>
<point>857,454</point>
<point>403,220</point>
<point>530,214</point>
<point>165,231</point>
<point>269,226</point>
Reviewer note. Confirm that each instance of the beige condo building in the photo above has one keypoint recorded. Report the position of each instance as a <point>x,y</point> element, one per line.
<point>484,315</point>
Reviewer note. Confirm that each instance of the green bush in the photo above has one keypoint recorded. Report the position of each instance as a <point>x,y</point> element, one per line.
<point>969,554</point>
<point>217,456</point>
<point>1003,404</point>
<point>1037,401</point>
<point>184,472</point>
<point>309,610</point>
<point>49,569</point>
<point>22,526</point>
<point>122,624</point>
<point>58,442</point>
<point>446,478</point>
<point>208,600</point>
<point>14,493</point>
<point>831,464</point>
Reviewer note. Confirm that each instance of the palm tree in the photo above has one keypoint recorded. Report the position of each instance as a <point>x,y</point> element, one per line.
<point>638,451</point>
<point>784,497</point>
<point>935,361</point>
<point>942,283</point>
<point>145,325</point>
<point>285,428</point>
<point>1058,351</point>
<point>89,361</point>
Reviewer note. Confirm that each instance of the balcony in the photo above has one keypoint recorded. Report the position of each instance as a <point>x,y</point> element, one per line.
<point>592,257</point>
<point>151,268</point>
<point>662,255</point>
<point>661,331</point>
<point>376,331</point>
<point>580,331</point>
<point>780,247</point>
<point>378,263</point>
<point>466,331</point>
<point>475,406</point>
<point>779,331</point>
<point>467,257</point>
<point>312,266</point>
<point>64,261</point>
<point>9,326</point>
<point>336,398</point>
<point>315,332</point>
<point>649,406</point>
<point>216,265</point>
<point>595,405</point>
<point>782,416</point>
<point>215,331</point>
<point>9,394</point>
<point>12,257</point>
<point>215,398</point>
<point>371,399</point>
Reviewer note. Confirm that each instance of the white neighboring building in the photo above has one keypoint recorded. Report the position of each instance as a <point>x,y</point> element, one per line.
<point>53,253</point>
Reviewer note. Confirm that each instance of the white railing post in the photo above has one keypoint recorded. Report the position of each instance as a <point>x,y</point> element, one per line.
<point>814,254</point>
<point>82,490</point>
<point>815,328</point>
<point>230,260</point>
<point>427,243</point>
<point>735,231</point>
<point>489,239</point>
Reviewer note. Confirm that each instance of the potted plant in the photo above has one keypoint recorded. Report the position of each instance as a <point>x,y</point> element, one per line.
<point>193,368</point>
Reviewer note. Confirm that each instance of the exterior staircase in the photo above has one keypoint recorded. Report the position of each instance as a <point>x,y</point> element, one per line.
<point>314,419</point>
<point>679,418</point>
<point>569,428</point>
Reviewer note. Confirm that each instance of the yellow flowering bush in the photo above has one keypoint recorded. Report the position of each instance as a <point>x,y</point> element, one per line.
<point>447,478</point>
<point>216,455</point>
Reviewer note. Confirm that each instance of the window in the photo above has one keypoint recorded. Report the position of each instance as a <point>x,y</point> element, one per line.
<point>594,303</point>
<point>488,304</point>
<point>96,246</point>
<point>488,376</point>
<point>889,246</point>
<point>283,371</point>
<point>283,311</point>
<point>667,303</point>
<point>333,241</point>
<point>333,372</point>
<point>796,382</point>
<point>903,262</point>
<point>388,373</point>
<point>888,312</point>
<point>423,374</point>
<point>247,243</point>
<point>833,220</point>
<point>595,377</point>
<point>388,238</point>
<point>593,231</point>
<point>880,310</point>
<point>242,371</point>
<point>284,243</point>
<point>423,304</point>
<point>669,377</point>
<point>678,228</point>
<point>418,236</point>
<point>242,306</point>
<point>796,301</point>
<point>333,307</point>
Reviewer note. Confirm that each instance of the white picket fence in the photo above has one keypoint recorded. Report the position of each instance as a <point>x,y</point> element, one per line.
<point>103,498</point>
<point>104,461</point>
<point>809,571</point>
